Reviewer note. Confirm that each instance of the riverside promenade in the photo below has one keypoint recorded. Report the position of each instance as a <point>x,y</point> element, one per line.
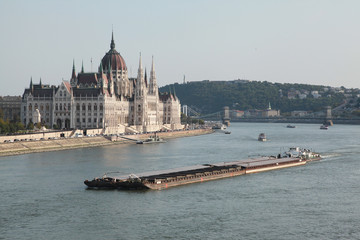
<point>25,147</point>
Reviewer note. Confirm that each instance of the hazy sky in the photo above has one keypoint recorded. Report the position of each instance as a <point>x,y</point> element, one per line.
<point>302,41</point>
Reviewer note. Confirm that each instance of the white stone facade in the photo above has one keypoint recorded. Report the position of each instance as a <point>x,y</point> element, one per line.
<point>106,99</point>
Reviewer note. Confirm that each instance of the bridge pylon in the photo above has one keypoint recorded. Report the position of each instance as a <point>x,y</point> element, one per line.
<point>226,116</point>
<point>328,118</point>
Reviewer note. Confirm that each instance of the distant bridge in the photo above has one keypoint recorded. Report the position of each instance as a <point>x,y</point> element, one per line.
<point>221,115</point>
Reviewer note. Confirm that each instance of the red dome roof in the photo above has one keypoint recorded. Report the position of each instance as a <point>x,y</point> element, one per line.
<point>113,58</point>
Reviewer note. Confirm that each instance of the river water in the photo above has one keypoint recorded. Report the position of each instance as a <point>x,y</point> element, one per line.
<point>42,195</point>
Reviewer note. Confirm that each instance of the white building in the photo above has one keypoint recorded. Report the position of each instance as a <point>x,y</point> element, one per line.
<point>106,99</point>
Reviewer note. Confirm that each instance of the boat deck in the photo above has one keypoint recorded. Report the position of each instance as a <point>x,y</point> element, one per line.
<point>183,171</point>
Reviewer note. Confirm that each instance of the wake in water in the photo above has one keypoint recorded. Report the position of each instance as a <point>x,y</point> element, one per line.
<point>330,155</point>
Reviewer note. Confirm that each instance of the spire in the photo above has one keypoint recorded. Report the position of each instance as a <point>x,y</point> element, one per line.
<point>40,83</point>
<point>140,62</point>
<point>174,92</point>
<point>31,83</point>
<point>145,77</point>
<point>112,44</point>
<point>73,75</point>
<point>82,66</point>
<point>153,89</point>
<point>152,73</point>
<point>140,83</point>
<point>101,70</point>
<point>140,77</point>
<point>152,65</point>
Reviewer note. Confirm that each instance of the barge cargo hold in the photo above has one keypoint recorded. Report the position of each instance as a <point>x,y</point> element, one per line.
<point>201,173</point>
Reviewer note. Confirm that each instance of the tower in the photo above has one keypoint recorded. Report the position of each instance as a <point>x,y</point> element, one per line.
<point>140,103</point>
<point>153,89</point>
<point>114,62</point>
<point>140,81</point>
<point>328,117</point>
<point>73,81</point>
<point>226,118</point>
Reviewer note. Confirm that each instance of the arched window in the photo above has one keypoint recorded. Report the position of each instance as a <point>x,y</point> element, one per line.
<point>56,107</point>
<point>78,107</point>
<point>83,107</point>
<point>101,107</point>
<point>69,107</point>
<point>89,107</point>
<point>41,107</point>
<point>47,107</point>
<point>60,106</point>
<point>30,107</point>
<point>95,107</point>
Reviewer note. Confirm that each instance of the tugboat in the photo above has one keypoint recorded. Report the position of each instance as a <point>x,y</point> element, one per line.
<point>262,137</point>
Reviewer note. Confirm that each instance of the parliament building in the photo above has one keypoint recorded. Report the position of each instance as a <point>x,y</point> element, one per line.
<point>106,99</point>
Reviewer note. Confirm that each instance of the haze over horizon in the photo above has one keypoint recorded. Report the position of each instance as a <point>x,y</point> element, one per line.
<point>309,42</point>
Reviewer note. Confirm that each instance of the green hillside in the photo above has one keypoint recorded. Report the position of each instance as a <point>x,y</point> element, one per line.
<point>211,96</point>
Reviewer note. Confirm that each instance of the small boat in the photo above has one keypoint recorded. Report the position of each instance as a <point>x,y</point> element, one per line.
<point>324,127</point>
<point>262,137</point>
<point>227,132</point>
<point>151,139</point>
<point>291,126</point>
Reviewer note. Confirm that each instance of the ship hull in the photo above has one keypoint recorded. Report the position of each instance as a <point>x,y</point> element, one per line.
<point>197,179</point>
<point>274,167</point>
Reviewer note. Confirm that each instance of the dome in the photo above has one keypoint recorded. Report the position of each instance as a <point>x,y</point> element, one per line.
<point>113,58</point>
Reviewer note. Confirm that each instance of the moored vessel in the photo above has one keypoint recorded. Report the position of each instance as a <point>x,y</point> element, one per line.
<point>151,139</point>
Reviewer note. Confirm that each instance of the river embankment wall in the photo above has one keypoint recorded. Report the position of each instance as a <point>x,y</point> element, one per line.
<point>25,147</point>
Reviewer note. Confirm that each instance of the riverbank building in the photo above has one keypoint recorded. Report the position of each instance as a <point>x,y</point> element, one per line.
<point>106,99</point>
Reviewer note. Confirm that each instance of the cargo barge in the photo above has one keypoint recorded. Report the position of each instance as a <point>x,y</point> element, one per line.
<point>200,173</point>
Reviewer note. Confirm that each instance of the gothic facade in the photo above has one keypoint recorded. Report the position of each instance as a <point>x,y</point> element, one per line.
<point>106,99</point>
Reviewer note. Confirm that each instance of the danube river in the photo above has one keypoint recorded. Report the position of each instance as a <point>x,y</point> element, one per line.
<point>42,195</point>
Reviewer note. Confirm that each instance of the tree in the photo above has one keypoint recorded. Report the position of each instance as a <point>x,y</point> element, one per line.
<point>30,126</point>
<point>209,97</point>
<point>38,125</point>
<point>183,118</point>
<point>4,126</point>
<point>19,126</point>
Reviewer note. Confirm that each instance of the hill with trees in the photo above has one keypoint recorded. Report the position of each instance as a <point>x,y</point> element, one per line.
<point>211,96</point>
